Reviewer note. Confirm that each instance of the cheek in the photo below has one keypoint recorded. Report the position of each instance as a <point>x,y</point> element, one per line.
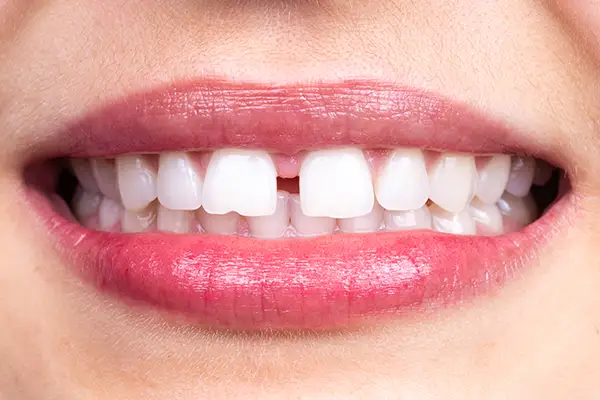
<point>582,16</point>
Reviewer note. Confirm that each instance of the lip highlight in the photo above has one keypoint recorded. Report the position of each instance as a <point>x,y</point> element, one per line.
<point>332,281</point>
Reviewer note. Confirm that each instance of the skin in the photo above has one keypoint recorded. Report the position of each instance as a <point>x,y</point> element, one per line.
<point>533,63</point>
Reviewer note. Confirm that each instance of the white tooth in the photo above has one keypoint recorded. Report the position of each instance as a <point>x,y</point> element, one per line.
<point>272,226</point>
<point>493,177</point>
<point>336,183</point>
<point>225,224</point>
<point>139,221</point>
<point>408,220</point>
<point>136,175</point>
<point>309,226</point>
<point>105,173</point>
<point>179,182</point>
<point>543,173</point>
<point>176,221</point>
<point>452,181</point>
<point>85,176</point>
<point>109,214</point>
<point>487,217</point>
<point>518,211</point>
<point>522,171</point>
<point>445,221</point>
<point>403,184</point>
<point>86,204</point>
<point>366,223</point>
<point>244,181</point>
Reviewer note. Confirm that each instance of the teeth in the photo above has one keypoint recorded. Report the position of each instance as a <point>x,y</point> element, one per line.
<point>408,220</point>
<point>519,211</point>
<point>137,181</point>
<point>109,214</point>
<point>140,221</point>
<point>85,176</point>
<point>105,173</point>
<point>309,226</point>
<point>244,181</point>
<point>403,184</point>
<point>459,223</point>
<point>225,224</point>
<point>452,181</point>
<point>336,183</point>
<point>493,177</point>
<point>487,217</point>
<point>179,182</point>
<point>366,223</point>
<point>86,204</point>
<point>522,171</point>
<point>176,221</point>
<point>272,226</point>
<point>543,173</point>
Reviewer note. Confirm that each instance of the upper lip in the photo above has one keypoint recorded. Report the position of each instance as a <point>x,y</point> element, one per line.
<point>248,284</point>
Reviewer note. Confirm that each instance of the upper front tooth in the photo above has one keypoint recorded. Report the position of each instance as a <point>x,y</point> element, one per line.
<point>522,172</point>
<point>493,177</point>
<point>336,183</point>
<point>402,183</point>
<point>179,183</point>
<point>459,223</point>
<point>105,173</point>
<point>137,181</point>
<point>244,181</point>
<point>452,181</point>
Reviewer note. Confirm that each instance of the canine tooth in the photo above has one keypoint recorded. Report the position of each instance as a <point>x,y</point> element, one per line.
<point>179,182</point>
<point>244,181</point>
<point>403,184</point>
<point>176,221</point>
<point>408,220</point>
<point>452,181</point>
<point>459,223</point>
<point>543,173</point>
<point>487,217</point>
<point>522,171</point>
<point>105,173</point>
<point>336,183</point>
<point>109,214</point>
<point>365,223</point>
<point>272,226</point>
<point>518,211</point>
<point>493,177</point>
<point>309,226</point>
<point>224,224</point>
<point>136,175</point>
<point>83,171</point>
<point>139,221</point>
<point>86,204</point>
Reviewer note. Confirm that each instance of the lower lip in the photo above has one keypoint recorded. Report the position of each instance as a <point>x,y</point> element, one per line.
<point>319,283</point>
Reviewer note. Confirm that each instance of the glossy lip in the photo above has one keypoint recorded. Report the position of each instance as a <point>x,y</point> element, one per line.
<point>326,282</point>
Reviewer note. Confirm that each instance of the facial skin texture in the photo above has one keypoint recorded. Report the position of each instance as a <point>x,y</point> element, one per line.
<point>533,63</point>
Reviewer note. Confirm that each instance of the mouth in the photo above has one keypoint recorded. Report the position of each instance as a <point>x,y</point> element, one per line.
<point>251,207</point>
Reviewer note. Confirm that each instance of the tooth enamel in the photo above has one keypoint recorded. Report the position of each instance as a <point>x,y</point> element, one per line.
<point>109,214</point>
<point>179,182</point>
<point>272,226</point>
<point>445,221</point>
<point>522,171</point>
<point>139,221</point>
<point>518,211</point>
<point>309,226</point>
<point>336,183</point>
<point>85,176</point>
<point>105,173</point>
<point>136,175</point>
<point>244,181</point>
<point>452,181</point>
<point>493,177</point>
<point>226,224</point>
<point>543,173</point>
<point>408,220</point>
<point>176,221</point>
<point>366,223</point>
<point>86,204</point>
<point>487,217</point>
<point>403,184</point>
